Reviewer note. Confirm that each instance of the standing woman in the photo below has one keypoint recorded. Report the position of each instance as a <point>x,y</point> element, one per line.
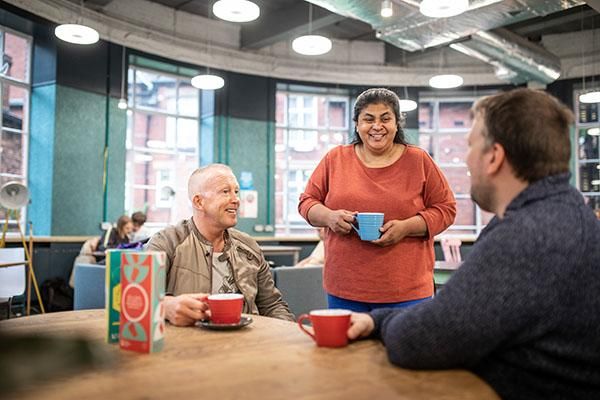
<point>378,172</point>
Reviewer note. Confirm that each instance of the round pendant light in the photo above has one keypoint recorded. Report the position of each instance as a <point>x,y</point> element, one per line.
<point>407,105</point>
<point>208,82</point>
<point>447,81</point>
<point>443,8</point>
<point>312,45</point>
<point>236,10</point>
<point>590,97</point>
<point>387,9</point>
<point>593,131</point>
<point>75,33</point>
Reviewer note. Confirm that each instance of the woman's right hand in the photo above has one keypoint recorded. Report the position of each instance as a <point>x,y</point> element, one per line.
<point>340,221</point>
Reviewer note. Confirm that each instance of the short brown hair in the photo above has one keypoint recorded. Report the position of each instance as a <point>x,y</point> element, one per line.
<point>138,218</point>
<point>379,96</point>
<point>532,126</point>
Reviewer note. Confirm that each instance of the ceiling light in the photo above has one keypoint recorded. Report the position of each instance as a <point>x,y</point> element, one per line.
<point>593,132</point>
<point>386,9</point>
<point>236,10</point>
<point>122,104</point>
<point>590,97</point>
<point>311,45</point>
<point>446,81</point>
<point>208,82</point>
<point>75,33</point>
<point>443,8</point>
<point>407,105</point>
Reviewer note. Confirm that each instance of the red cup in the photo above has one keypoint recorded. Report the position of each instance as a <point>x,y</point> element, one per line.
<point>330,327</point>
<point>225,308</point>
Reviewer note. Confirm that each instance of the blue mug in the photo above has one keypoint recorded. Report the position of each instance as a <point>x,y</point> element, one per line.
<point>368,225</point>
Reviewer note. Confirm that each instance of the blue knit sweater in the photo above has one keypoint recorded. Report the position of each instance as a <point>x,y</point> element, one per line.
<point>523,311</point>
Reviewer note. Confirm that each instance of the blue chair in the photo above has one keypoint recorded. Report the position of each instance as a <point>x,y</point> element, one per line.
<point>89,286</point>
<point>301,287</point>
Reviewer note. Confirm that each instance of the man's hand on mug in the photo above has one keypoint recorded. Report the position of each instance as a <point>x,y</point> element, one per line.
<point>186,309</point>
<point>361,325</point>
<point>340,221</point>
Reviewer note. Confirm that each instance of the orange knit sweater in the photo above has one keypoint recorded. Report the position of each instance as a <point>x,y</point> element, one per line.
<point>361,271</point>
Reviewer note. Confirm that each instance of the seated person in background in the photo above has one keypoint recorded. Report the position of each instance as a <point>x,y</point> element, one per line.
<point>523,310</point>
<point>85,256</point>
<point>317,257</point>
<point>206,255</point>
<point>113,237</point>
<point>138,233</point>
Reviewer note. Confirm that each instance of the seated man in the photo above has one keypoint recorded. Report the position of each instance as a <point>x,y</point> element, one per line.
<point>206,255</point>
<point>523,310</point>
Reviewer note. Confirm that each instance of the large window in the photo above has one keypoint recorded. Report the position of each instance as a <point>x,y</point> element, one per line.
<point>14,90</point>
<point>310,121</point>
<point>443,127</point>
<point>588,152</point>
<point>162,145</point>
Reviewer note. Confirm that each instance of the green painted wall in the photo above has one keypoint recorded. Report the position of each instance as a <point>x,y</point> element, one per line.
<point>247,145</point>
<point>68,154</point>
<point>116,161</point>
<point>412,136</point>
<point>41,158</point>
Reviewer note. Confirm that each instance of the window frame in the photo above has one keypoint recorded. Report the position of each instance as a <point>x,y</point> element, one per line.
<point>291,225</point>
<point>132,108</point>
<point>25,128</point>
<point>472,231</point>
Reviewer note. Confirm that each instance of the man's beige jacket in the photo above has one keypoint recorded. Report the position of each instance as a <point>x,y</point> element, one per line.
<point>189,267</point>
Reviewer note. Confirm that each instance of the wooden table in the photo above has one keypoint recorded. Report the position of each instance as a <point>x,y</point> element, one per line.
<point>293,251</point>
<point>269,359</point>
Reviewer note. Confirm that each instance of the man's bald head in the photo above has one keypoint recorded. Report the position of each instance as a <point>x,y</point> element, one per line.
<point>201,178</point>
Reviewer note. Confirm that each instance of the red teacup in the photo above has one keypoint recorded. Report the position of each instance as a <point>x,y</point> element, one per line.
<point>225,308</point>
<point>330,326</point>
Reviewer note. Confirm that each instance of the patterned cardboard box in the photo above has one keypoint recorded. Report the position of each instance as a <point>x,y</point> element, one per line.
<point>143,276</point>
<point>113,294</point>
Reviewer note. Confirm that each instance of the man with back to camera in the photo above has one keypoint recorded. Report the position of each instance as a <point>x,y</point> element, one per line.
<point>523,310</point>
<point>206,255</point>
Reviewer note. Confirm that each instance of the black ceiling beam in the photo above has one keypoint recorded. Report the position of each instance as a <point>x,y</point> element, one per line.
<point>285,24</point>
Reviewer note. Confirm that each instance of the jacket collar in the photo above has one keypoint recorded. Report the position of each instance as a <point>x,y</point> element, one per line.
<point>549,186</point>
<point>208,245</point>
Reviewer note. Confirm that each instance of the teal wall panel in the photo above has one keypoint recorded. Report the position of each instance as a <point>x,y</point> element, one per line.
<point>115,183</point>
<point>41,158</point>
<point>248,146</point>
<point>77,201</point>
<point>412,136</point>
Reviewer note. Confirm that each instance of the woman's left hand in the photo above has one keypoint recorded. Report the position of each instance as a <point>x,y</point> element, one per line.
<point>392,232</point>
